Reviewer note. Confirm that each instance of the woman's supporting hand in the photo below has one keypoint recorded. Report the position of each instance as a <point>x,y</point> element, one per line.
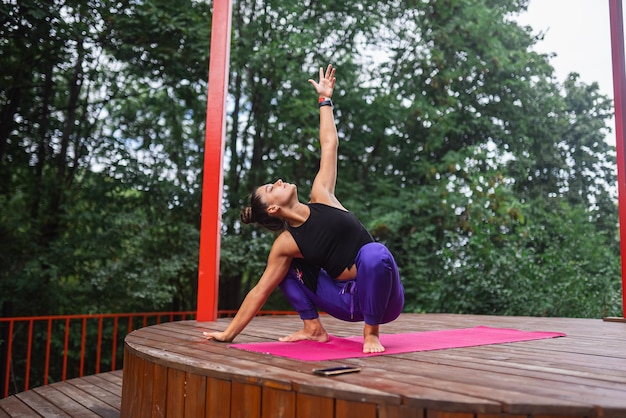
<point>217,336</point>
<point>326,84</point>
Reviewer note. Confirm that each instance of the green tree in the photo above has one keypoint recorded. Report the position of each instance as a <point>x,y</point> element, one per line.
<point>475,134</point>
<point>273,130</point>
<point>47,134</point>
<point>101,150</point>
<point>459,150</point>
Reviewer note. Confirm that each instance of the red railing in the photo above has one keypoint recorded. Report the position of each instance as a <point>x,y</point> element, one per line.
<point>38,350</point>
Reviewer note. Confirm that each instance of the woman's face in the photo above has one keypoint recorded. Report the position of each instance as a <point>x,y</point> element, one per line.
<point>278,193</point>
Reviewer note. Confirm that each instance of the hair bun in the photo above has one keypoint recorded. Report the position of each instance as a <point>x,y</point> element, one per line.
<point>246,215</point>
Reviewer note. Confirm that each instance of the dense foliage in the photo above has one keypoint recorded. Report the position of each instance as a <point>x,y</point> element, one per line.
<point>489,179</point>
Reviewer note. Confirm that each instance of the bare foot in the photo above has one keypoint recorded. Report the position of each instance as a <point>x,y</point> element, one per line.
<point>303,335</point>
<point>312,331</point>
<point>371,342</point>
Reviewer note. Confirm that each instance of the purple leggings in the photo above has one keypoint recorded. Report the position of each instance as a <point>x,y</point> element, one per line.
<point>375,295</point>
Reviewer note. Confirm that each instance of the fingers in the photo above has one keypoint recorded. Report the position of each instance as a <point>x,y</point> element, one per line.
<point>209,335</point>
<point>330,73</point>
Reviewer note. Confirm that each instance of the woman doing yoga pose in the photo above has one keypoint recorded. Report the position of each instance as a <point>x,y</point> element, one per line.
<point>323,258</point>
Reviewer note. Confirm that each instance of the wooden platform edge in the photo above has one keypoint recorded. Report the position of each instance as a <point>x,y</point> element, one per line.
<point>614,319</point>
<point>210,378</point>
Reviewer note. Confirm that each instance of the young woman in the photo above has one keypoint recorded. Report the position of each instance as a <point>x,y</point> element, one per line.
<point>323,257</point>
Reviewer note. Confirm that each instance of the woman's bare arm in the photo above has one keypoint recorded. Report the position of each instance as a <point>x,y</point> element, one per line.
<point>279,261</point>
<point>323,190</point>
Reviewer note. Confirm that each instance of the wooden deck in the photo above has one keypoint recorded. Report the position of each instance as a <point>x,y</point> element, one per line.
<point>91,396</point>
<point>171,370</point>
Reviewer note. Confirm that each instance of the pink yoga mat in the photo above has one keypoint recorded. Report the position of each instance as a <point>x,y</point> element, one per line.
<point>341,348</point>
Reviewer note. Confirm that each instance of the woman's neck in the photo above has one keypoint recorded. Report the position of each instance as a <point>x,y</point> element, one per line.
<point>297,214</point>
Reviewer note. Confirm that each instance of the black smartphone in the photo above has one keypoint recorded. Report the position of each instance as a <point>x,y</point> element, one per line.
<point>332,371</point>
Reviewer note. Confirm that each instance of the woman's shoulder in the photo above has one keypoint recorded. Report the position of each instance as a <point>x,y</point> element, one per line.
<point>333,203</point>
<point>325,197</point>
<point>285,244</point>
<point>323,207</point>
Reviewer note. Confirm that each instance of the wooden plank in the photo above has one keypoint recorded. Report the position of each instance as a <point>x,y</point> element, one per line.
<point>195,395</point>
<point>571,364</point>
<point>87,386</point>
<point>245,400</point>
<point>87,400</point>
<point>443,414</point>
<point>145,378</point>
<point>557,416</point>
<point>510,389</point>
<point>218,398</point>
<point>402,411</point>
<point>105,384</point>
<point>63,401</point>
<point>159,391</point>
<point>14,407</point>
<point>276,403</point>
<point>42,406</point>
<point>130,396</point>
<point>351,409</point>
<point>309,406</point>
<point>534,368</point>
<point>175,406</point>
<point>114,377</point>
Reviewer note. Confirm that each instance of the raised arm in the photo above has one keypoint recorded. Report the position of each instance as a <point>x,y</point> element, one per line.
<point>323,190</point>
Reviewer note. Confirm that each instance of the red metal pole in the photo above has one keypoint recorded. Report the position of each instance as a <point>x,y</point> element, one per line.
<point>47,362</point>
<point>65,348</point>
<point>29,351</point>
<point>619,91</point>
<point>83,343</point>
<point>7,369</point>
<point>99,345</point>
<point>114,344</point>
<point>212,183</point>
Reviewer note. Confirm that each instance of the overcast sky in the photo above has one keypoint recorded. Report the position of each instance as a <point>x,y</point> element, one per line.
<point>578,32</point>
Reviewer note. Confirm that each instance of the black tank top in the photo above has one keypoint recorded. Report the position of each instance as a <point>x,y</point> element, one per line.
<point>330,238</point>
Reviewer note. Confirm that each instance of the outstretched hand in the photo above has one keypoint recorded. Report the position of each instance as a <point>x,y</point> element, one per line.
<point>326,85</point>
